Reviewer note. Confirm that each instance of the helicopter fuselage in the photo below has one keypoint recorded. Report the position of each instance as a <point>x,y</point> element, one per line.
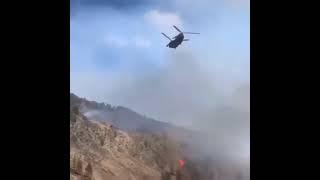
<point>177,41</point>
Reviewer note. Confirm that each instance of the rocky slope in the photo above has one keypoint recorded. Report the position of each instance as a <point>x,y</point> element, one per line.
<point>105,147</point>
<point>100,151</point>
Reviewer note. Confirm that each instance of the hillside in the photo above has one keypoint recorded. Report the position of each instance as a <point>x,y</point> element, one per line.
<point>119,116</point>
<point>130,121</point>
<point>99,151</point>
<point>108,148</point>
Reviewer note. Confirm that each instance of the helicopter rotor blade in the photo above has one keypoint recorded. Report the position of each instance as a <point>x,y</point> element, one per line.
<point>186,40</point>
<point>166,36</point>
<point>177,28</point>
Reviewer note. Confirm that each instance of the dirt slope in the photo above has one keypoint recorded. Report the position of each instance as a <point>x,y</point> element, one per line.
<point>102,151</point>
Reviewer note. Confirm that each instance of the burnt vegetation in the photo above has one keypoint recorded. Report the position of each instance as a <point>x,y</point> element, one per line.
<point>142,154</point>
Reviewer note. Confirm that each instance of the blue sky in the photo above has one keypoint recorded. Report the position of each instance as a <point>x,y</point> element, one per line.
<point>115,44</point>
<point>119,56</point>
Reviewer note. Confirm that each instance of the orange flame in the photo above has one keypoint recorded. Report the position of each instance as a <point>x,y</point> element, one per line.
<point>181,163</point>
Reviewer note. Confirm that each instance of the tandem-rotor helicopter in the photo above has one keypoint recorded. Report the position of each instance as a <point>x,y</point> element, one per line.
<point>177,40</point>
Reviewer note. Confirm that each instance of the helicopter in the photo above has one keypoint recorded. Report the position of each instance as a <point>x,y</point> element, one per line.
<point>177,40</point>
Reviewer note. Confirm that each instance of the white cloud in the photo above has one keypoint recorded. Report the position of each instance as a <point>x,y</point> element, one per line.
<point>186,4</point>
<point>163,20</point>
<point>122,41</point>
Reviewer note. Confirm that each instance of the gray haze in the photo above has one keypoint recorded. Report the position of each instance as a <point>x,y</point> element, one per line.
<point>186,94</point>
